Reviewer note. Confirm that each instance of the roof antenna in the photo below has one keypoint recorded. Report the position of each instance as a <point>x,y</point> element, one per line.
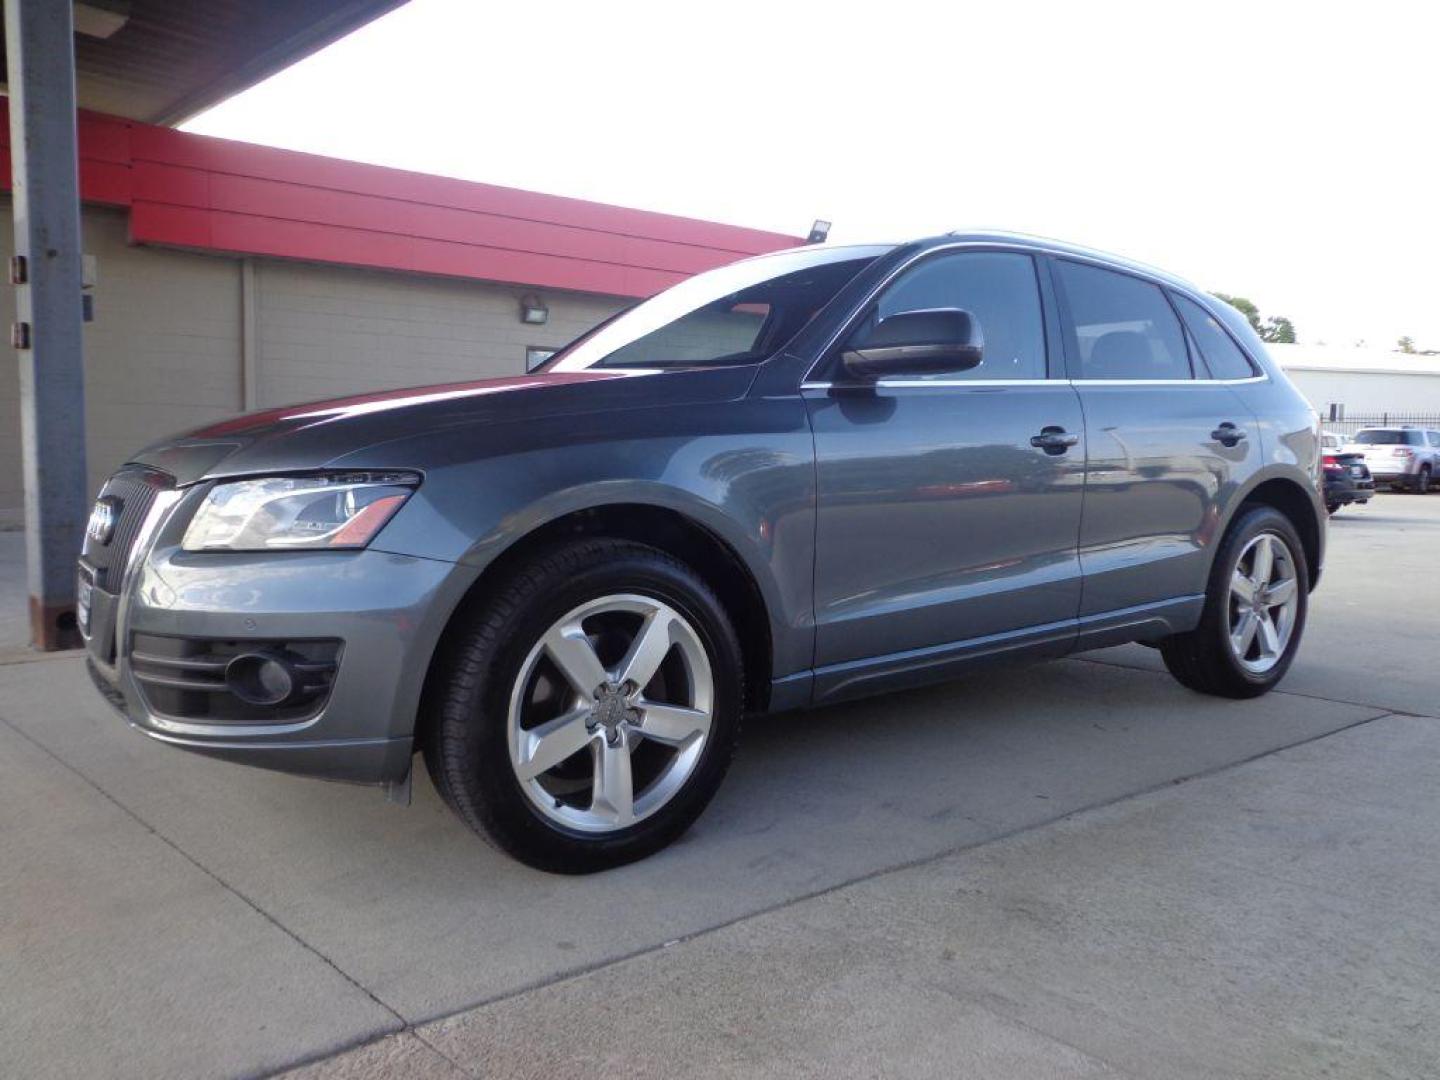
<point>818,232</point>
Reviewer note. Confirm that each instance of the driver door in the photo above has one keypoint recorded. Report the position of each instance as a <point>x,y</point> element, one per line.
<point>942,531</point>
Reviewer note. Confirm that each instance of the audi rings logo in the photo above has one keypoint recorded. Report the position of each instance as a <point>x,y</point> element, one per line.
<point>101,526</point>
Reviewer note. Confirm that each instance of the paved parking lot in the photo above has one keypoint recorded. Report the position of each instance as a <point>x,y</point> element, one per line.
<point>1081,869</point>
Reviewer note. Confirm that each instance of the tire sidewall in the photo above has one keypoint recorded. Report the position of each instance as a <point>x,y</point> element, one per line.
<point>508,812</point>
<point>1260,519</point>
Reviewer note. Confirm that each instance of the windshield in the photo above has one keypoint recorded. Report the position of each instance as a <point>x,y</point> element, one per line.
<point>1388,438</point>
<point>737,314</point>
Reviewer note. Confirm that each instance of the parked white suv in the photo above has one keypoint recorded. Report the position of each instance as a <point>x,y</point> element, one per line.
<point>1406,458</point>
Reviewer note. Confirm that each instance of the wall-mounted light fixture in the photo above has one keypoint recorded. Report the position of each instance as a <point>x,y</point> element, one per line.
<point>100,18</point>
<point>818,232</point>
<point>533,310</point>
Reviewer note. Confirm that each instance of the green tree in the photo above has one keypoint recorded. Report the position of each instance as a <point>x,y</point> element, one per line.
<point>1279,329</point>
<point>1276,328</point>
<point>1406,344</point>
<point>1245,307</point>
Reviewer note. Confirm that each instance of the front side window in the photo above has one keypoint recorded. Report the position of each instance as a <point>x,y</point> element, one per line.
<point>1434,437</point>
<point>1124,327</point>
<point>1219,351</point>
<point>1000,291</point>
<point>737,314</point>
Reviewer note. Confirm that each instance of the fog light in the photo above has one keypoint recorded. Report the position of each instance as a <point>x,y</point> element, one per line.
<point>261,679</point>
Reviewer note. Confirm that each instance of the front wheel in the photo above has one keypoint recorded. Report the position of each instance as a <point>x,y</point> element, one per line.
<point>1254,615</point>
<point>1422,482</point>
<point>587,712</point>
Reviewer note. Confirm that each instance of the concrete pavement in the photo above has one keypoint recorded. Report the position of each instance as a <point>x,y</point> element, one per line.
<point>14,602</point>
<point>167,915</point>
<point>1273,920</point>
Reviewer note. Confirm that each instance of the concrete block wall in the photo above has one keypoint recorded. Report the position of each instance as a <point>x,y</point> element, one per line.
<point>327,330</point>
<point>166,350</point>
<point>161,355</point>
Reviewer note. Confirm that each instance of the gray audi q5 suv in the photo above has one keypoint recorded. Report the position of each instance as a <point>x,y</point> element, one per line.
<point>808,476</point>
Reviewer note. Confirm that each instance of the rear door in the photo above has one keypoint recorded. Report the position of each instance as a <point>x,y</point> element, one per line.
<point>942,529</point>
<point>1168,443</point>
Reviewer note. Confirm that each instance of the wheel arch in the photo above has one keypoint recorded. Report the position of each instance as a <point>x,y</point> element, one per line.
<point>664,527</point>
<point>1297,501</point>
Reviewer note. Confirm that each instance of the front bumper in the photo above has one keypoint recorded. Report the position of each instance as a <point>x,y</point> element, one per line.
<point>387,610</point>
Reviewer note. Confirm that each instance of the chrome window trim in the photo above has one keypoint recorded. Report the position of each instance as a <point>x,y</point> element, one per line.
<point>1170,382</point>
<point>900,384</point>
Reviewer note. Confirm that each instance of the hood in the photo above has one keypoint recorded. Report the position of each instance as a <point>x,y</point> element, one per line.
<point>313,435</point>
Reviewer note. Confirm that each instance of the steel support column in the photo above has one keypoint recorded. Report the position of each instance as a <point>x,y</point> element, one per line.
<point>40,49</point>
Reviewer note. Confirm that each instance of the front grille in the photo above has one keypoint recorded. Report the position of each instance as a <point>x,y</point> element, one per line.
<point>132,490</point>
<point>184,678</point>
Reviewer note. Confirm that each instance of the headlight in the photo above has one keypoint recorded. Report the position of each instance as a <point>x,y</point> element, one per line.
<point>286,513</point>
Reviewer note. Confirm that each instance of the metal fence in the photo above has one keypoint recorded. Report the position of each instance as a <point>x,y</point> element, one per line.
<point>1353,422</point>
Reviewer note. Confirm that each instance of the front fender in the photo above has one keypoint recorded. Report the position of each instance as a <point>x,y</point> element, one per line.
<point>744,472</point>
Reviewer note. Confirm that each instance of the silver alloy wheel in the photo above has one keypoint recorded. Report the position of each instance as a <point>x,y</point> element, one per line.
<point>604,711</point>
<point>1264,603</point>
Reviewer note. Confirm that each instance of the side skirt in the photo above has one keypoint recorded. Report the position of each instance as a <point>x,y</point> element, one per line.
<point>939,663</point>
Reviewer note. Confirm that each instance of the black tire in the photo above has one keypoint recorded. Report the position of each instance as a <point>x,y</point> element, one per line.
<point>1201,659</point>
<point>1422,482</point>
<point>464,737</point>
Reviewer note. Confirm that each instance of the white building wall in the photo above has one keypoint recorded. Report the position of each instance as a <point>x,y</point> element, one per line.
<point>1368,392</point>
<point>1362,380</point>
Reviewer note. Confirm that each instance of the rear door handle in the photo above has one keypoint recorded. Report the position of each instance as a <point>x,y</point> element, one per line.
<point>1053,440</point>
<point>1227,434</point>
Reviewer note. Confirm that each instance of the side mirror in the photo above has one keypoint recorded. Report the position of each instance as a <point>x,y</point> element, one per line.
<point>929,342</point>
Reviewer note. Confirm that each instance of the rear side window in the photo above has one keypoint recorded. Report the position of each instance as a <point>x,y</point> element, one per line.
<point>1124,327</point>
<point>999,288</point>
<point>1382,437</point>
<point>1219,351</point>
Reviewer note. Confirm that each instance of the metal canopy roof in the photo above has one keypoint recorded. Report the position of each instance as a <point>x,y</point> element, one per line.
<point>162,61</point>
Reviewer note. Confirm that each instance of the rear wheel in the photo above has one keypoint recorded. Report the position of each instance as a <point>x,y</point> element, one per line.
<point>1422,482</point>
<point>1255,608</point>
<point>589,710</point>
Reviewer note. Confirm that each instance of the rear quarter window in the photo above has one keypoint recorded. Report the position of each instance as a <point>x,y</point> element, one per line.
<point>1381,437</point>
<point>1217,349</point>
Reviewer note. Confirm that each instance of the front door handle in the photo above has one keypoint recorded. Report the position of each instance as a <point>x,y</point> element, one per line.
<point>1227,434</point>
<point>1053,440</point>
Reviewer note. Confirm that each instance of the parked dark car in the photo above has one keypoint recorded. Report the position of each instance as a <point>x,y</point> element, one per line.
<point>821,473</point>
<point>1347,480</point>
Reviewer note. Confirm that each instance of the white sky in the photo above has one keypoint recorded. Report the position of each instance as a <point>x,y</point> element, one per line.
<point>1289,152</point>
